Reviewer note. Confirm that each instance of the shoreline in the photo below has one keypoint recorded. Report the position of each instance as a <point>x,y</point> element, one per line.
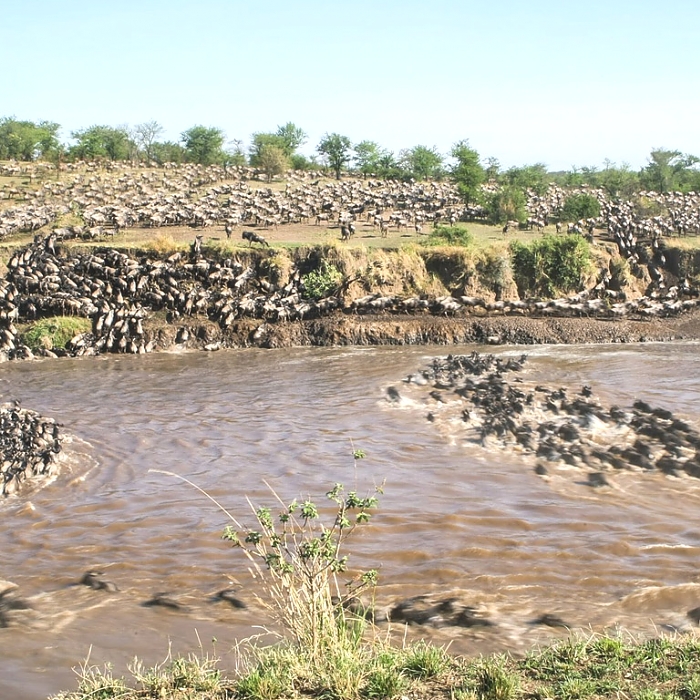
<point>342,330</point>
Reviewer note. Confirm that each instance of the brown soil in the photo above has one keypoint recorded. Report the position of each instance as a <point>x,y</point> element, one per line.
<point>345,329</point>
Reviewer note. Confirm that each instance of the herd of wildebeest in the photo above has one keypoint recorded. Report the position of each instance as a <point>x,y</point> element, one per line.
<point>118,290</point>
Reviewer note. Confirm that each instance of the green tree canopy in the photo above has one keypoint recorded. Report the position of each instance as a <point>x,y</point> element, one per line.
<point>264,140</point>
<point>580,206</point>
<point>203,145</point>
<point>336,150</point>
<point>272,160</point>
<point>530,177</point>
<point>666,170</point>
<point>422,163</point>
<point>167,152</point>
<point>287,138</point>
<point>367,155</point>
<point>618,181</point>
<point>113,143</point>
<point>25,140</point>
<point>292,137</point>
<point>467,172</point>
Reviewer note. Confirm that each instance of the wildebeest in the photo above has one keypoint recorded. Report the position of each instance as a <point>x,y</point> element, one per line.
<point>254,238</point>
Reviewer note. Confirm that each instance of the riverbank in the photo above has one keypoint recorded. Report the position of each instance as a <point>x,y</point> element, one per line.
<point>76,301</point>
<point>341,329</point>
<point>594,668</point>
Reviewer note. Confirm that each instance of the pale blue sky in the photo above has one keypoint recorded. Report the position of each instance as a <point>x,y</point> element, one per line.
<point>564,83</point>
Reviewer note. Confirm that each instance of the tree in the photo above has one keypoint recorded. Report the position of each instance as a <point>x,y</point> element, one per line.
<point>493,168</point>
<point>422,163</point>
<point>367,155</point>
<point>301,162</point>
<point>263,140</point>
<point>168,152</point>
<point>25,140</point>
<point>203,145</point>
<point>145,136</point>
<point>618,181</point>
<point>292,136</point>
<point>235,155</point>
<point>273,161</point>
<point>336,150</point>
<point>102,142</point>
<point>529,177</point>
<point>467,172</point>
<point>666,170</point>
<point>287,138</point>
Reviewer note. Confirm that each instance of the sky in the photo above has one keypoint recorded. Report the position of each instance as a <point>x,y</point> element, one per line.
<point>567,84</point>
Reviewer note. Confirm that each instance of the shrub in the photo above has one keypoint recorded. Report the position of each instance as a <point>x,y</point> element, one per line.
<point>450,235</point>
<point>509,203</point>
<point>322,282</point>
<point>550,266</point>
<point>296,558</point>
<point>580,206</point>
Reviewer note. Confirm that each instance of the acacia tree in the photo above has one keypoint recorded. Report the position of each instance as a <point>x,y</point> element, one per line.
<point>292,137</point>
<point>25,140</point>
<point>532,177</point>
<point>113,143</point>
<point>145,136</point>
<point>467,171</point>
<point>262,141</point>
<point>168,152</point>
<point>666,170</point>
<point>287,139</point>
<point>336,150</point>
<point>272,160</point>
<point>203,145</point>
<point>422,163</point>
<point>367,155</point>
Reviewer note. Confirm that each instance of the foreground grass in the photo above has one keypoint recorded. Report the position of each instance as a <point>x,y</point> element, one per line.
<point>577,669</point>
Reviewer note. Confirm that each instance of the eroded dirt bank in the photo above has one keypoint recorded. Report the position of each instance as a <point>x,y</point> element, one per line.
<point>343,329</point>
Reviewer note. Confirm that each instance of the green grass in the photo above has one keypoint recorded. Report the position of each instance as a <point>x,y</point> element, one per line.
<point>597,668</point>
<point>53,332</point>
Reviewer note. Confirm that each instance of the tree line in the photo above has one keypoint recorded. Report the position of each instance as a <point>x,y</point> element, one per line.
<point>276,152</point>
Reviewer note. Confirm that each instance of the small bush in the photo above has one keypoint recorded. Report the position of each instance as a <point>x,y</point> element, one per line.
<point>54,332</point>
<point>580,206</point>
<point>550,266</point>
<point>322,282</point>
<point>450,235</point>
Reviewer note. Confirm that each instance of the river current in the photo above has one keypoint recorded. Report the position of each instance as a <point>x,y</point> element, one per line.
<point>455,519</point>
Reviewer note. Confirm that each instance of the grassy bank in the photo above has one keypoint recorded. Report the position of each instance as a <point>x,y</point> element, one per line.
<point>577,669</point>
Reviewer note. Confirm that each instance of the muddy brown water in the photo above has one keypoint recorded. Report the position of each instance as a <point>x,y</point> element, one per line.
<point>455,519</point>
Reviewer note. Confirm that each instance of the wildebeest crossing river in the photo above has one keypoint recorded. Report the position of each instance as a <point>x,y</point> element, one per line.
<point>456,522</point>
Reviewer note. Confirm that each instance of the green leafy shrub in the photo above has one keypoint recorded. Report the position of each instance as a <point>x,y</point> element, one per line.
<point>450,235</point>
<point>550,266</point>
<point>322,282</point>
<point>580,206</point>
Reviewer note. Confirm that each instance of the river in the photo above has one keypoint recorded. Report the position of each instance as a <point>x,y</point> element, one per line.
<point>454,518</point>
